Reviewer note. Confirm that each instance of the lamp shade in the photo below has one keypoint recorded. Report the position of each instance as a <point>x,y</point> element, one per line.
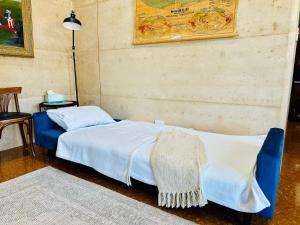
<point>72,23</point>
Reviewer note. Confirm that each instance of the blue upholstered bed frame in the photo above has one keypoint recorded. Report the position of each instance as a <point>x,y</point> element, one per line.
<point>267,166</point>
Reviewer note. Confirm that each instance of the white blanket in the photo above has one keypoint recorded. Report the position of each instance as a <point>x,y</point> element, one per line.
<point>228,179</point>
<point>109,148</point>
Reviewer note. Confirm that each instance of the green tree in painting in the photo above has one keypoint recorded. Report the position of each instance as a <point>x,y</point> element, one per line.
<point>11,25</point>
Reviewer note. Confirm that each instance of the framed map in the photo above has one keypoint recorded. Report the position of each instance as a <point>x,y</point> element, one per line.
<point>178,20</point>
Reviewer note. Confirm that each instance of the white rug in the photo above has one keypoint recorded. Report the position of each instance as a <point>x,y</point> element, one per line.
<point>50,196</point>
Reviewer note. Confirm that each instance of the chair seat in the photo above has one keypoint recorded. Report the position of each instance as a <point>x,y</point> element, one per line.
<point>13,115</point>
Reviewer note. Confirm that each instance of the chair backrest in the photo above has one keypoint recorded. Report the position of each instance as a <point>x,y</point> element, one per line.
<point>6,94</point>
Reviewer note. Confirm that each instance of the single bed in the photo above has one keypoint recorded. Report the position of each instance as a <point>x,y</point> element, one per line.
<point>242,171</point>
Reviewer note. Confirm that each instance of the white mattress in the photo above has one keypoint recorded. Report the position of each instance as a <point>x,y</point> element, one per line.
<point>228,178</point>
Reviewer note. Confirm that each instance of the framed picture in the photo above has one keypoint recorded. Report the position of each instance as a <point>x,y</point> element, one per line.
<point>180,20</point>
<point>16,28</point>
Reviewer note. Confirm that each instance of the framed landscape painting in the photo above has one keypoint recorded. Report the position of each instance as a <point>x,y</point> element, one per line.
<point>180,20</point>
<point>16,28</point>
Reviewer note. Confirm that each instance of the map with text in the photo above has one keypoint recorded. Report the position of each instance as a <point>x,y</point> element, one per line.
<point>176,20</point>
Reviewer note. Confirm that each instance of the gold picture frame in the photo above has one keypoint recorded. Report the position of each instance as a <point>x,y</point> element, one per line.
<point>25,48</point>
<point>184,20</point>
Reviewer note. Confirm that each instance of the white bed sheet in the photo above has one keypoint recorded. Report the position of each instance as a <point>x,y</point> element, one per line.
<point>228,178</point>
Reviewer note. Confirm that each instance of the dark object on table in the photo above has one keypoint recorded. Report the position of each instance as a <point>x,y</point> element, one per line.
<point>46,105</point>
<point>20,118</point>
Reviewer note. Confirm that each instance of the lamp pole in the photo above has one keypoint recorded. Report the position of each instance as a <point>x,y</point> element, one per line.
<point>74,64</point>
<point>72,23</point>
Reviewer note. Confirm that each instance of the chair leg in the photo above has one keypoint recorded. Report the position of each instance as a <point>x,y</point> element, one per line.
<point>21,127</point>
<point>31,137</point>
<point>1,129</point>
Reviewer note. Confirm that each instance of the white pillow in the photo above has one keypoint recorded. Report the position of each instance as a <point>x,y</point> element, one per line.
<point>72,118</point>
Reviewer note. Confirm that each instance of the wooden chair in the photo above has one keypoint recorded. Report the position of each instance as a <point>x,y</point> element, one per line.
<point>10,118</point>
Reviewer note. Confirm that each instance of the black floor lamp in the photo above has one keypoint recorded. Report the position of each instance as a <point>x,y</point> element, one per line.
<point>71,23</point>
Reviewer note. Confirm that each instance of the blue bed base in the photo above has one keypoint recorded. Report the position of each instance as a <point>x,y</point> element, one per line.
<point>267,167</point>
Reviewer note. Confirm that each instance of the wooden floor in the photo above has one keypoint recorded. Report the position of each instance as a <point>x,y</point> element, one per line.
<point>14,163</point>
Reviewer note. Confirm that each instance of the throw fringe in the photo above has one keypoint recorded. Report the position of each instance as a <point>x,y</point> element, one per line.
<point>182,199</point>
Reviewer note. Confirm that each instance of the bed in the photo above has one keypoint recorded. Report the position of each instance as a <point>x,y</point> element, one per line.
<point>247,185</point>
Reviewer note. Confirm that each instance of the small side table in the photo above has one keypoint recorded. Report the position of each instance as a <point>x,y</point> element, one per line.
<point>45,105</point>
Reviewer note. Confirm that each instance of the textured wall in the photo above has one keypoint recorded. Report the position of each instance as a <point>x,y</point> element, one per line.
<point>238,85</point>
<point>49,69</point>
<point>88,52</point>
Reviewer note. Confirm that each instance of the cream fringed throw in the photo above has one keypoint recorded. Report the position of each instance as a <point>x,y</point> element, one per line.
<point>176,162</point>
